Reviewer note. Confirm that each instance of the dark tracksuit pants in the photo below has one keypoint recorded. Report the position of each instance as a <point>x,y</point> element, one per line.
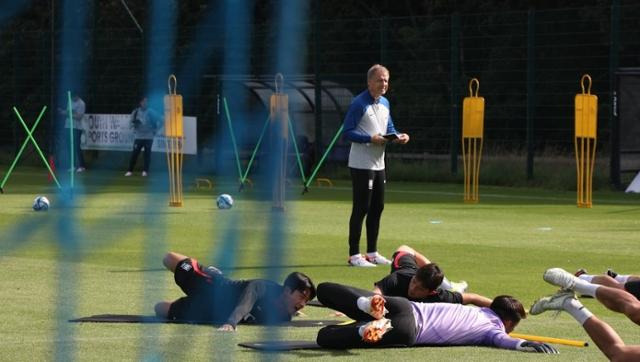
<point>77,133</point>
<point>344,299</point>
<point>368,200</point>
<point>138,144</point>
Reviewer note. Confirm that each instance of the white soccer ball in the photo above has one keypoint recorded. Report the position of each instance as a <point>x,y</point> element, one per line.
<point>41,203</point>
<point>224,201</point>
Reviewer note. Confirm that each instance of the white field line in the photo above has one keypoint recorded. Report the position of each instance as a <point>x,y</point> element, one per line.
<point>501,196</point>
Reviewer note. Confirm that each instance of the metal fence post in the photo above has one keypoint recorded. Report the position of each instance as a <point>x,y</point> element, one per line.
<point>318,82</point>
<point>51,146</point>
<point>531,89</point>
<point>614,46</point>
<point>455,85</point>
<point>384,36</point>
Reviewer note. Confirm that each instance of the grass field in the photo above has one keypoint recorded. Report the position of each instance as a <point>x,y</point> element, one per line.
<point>102,254</point>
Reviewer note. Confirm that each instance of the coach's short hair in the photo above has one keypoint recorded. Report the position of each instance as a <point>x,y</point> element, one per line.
<point>300,282</point>
<point>430,276</point>
<point>374,69</point>
<point>508,308</point>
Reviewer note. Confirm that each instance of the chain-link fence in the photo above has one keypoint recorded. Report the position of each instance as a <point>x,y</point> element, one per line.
<point>529,64</point>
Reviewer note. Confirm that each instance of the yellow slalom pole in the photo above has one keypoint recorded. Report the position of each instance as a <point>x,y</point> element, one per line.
<point>174,137</point>
<point>279,115</point>
<point>472,137</point>
<point>563,341</point>
<point>585,140</point>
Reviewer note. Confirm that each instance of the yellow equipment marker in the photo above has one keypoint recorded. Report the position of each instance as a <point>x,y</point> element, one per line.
<point>586,112</point>
<point>174,139</point>
<point>346,323</point>
<point>563,341</point>
<point>279,115</point>
<point>472,137</point>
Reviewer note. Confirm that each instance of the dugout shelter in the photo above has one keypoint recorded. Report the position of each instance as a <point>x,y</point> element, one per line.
<point>625,127</point>
<point>316,108</point>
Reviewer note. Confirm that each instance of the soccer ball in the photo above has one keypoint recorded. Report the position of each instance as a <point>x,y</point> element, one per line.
<point>41,203</point>
<point>224,201</point>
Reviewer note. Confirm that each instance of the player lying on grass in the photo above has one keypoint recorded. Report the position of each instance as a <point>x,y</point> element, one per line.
<point>385,321</point>
<point>416,278</point>
<point>605,337</point>
<point>614,299</point>
<point>213,298</point>
<point>629,283</point>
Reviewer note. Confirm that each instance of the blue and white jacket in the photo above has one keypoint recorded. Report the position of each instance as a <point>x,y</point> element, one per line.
<point>365,118</point>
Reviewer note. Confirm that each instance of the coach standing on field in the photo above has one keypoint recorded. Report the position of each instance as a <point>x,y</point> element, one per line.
<point>368,125</point>
<point>143,121</point>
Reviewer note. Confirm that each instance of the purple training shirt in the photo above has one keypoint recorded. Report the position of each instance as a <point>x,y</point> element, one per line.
<point>457,324</point>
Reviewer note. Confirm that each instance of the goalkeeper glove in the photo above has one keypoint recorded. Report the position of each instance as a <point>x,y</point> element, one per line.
<point>537,347</point>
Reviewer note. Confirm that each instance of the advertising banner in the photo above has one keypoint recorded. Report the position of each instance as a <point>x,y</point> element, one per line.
<point>114,132</point>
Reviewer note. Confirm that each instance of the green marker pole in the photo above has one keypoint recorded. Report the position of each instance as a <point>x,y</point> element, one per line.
<point>24,144</point>
<point>35,144</point>
<point>233,137</point>
<point>72,170</point>
<point>295,147</point>
<point>313,174</point>
<point>15,160</point>
<point>255,150</point>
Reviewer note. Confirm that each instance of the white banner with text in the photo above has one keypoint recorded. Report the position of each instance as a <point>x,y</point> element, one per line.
<point>114,132</point>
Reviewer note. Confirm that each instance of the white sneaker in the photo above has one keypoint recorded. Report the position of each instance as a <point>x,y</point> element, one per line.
<point>144,173</point>
<point>552,302</point>
<point>460,286</point>
<point>560,278</point>
<point>80,169</point>
<point>373,331</point>
<point>359,260</point>
<point>377,259</point>
<point>373,306</point>
<point>129,173</point>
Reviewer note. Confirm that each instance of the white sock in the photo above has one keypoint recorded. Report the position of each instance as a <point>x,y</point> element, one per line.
<point>446,284</point>
<point>586,277</point>
<point>372,255</point>
<point>364,304</point>
<point>354,256</point>
<point>622,278</point>
<point>586,288</point>
<point>361,330</point>
<point>577,310</point>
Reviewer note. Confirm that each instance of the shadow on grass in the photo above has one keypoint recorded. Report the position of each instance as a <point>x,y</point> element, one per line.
<point>252,267</point>
<point>316,353</point>
<point>625,211</point>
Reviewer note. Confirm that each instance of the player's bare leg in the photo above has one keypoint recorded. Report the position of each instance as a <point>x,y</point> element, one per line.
<point>619,301</point>
<point>615,299</point>
<point>609,342</point>
<point>607,281</point>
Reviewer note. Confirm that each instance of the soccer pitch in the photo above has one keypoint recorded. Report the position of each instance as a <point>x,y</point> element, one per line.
<point>118,232</point>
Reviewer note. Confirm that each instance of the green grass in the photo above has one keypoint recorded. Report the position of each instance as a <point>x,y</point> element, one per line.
<point>122,228</point>
<point>550,171</point>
